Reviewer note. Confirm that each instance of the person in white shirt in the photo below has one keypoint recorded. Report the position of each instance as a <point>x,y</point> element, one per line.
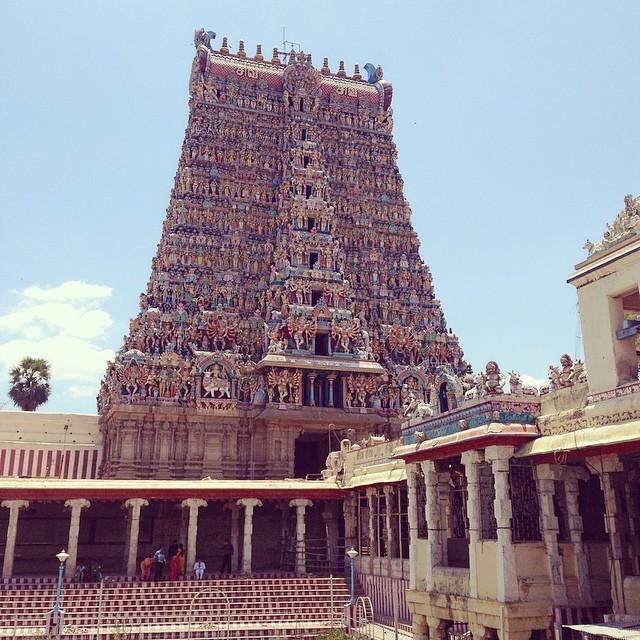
<point>198,569</point>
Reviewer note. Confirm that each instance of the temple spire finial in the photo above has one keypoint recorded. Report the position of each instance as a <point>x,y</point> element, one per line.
<point>341,72</point>
<point>225,45</point>
<point>325,67</point>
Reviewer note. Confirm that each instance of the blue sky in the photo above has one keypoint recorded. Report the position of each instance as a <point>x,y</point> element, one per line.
<point>516,125</point>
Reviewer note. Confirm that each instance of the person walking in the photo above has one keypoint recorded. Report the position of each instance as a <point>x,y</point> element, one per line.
<point>227,554</point>
<point>159,560</point>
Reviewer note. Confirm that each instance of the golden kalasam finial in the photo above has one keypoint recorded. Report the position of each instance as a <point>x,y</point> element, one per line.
<point>241,52</point>
<point>259,57</point>
<point>356,73</point>
<point>225,45</point>
<point>325,67</point>
<point>276,58</point>
<point>341,72</point>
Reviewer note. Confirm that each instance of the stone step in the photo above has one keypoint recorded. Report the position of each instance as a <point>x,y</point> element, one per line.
<point>259,607</point>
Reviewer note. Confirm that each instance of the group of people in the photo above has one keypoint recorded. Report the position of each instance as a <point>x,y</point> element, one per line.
<point>153,566</point>
<point>91,573</point>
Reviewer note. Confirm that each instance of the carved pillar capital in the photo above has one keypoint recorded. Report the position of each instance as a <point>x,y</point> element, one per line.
<point>15,504</point>
<point>77,503</point>
<point>132,503</point>
<point>300,502</point>
<point>249,502</point>
<point>193,503</point>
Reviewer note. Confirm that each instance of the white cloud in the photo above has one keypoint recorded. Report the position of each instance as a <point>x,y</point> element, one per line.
<point>531,381</point>
<point>65,325</point>
<point>71,290</point>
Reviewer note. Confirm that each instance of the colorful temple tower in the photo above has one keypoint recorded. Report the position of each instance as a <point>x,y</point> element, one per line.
<point>288,306</point>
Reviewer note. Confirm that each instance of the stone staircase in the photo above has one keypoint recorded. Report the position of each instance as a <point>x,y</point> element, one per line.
<point>241,608</point>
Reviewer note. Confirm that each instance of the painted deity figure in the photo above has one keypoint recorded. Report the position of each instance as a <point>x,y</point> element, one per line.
<point>563,376</point>
<point>216,381</point>
<point>493,378</point>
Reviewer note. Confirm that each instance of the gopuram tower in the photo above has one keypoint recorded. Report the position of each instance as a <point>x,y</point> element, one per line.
<point>288,307</point>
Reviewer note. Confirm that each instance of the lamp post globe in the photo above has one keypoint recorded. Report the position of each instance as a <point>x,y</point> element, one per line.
<point>352,553</point>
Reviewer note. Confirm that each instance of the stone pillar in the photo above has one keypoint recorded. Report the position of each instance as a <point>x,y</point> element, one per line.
<point>301,557</point>
<point>506,576</point>
<point>76,507</point>
<point>312,392</point>
<point>235,533</point>
<point>420,627</point>
<point>331,379</point>
<point>412,518</point>
<point>372,493</point>
<point>134,505</point>
<point>193,504</point>
<point>391,523</point>
<point>350,507</point>
<point>248,504</point>
<point>471,460</point>
<point>478,631</point>
<point>572,476</point>
<point>14,507</point>
<point>437,628</point>
<point>436,520</point>
<point>606,466</point>
<point>331,527</point>
<point>546,476</point>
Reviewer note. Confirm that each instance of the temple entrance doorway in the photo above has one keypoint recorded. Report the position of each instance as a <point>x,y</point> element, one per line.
<point>311,454</point>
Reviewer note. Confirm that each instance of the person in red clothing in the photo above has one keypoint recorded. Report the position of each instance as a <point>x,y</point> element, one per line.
<point>175,564</point>
<point>145,569</point>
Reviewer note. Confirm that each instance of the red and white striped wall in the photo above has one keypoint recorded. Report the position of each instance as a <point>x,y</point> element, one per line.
<point>34,461</point>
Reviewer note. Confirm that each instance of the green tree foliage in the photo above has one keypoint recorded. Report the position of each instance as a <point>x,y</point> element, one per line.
<point>30,383</point>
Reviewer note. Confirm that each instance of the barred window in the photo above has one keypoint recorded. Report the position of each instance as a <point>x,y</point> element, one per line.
<point>380,523</point>
<point>525,509</point>
<point>403,521</point>
<point>421,503</point>
<point>363,524</point>
<point>458,505</point>
<point>487,493</point>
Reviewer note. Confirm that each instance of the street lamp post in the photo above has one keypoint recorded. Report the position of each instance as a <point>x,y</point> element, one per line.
<point>352,553</point>
<point>54,626</point>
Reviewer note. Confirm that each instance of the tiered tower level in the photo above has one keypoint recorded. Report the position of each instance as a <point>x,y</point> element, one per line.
<point>288,306</point>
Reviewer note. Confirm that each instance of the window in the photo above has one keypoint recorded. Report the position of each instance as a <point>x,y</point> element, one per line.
<point>363,524</point>
<point>321,344</point>
<point>525,520</point>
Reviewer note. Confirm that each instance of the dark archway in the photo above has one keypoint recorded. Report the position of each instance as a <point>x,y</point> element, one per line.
<point>311,454</point>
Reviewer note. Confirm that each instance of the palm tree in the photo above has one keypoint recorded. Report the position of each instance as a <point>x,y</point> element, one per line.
<point>30,383</point>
